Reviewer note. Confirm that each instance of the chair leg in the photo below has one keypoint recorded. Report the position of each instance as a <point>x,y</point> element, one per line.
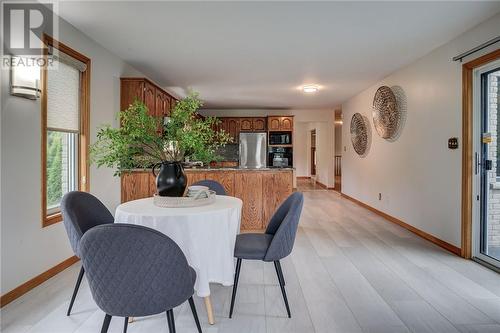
<point>195,314</point>
<point>281,280</point>
<point>235,285</point>
<point>171,322</point>
<point>125,325</point>
<point>105,324</point>
<point>75,291</point>
<point>277,266</point>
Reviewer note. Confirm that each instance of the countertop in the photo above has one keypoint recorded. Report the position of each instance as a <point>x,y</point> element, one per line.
<point>238,169</point>
<point>205,169</point>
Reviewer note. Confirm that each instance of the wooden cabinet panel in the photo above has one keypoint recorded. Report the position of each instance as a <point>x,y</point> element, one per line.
<point>162,104</point>
<point>259,124</point>
<point>248,187</point>
<point>233,128</point>
<point>195,176</point>
<point>129,92</point>
<point>152,184</point>
<point>150,98</point>
<point>280,123</point>
<point>276,188</point>
<point>135,185</point>
<point>226,178</point>
<point>273,123</point>
<point>286,124</point>
<point>173,101</point>
<point>246,124</point>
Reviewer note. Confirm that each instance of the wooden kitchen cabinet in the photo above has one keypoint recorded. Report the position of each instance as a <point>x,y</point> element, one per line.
<point>150,98</point>
<point>162,104</point>
<point>248,187</point>
<point>280,123</point>
<point>259,124</point>
<point>226,179</point>
<point>157,100</point>
<point>235,125</point>
<point>246,124</point>
<point>233,129</point>
<point>252,124</point>
<point>262,192</point>
<point>277,186</point>
<point>286,123</point>
<point>135,185</point>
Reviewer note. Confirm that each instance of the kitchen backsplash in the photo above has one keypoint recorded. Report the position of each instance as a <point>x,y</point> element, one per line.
<point>229,152</point>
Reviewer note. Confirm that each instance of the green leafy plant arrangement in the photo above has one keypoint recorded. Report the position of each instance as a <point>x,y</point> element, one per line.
<point>143,140</point>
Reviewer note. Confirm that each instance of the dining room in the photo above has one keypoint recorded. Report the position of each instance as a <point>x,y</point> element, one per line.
<point>175,166</point>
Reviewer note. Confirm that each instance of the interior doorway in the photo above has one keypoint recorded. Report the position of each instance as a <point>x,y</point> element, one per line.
<point>313,154</point>
<point>338,150</point>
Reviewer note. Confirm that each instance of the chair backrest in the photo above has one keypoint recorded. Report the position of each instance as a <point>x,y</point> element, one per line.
<point>213,185</point>
<point>283,226</point>
<point>82,211</point>
<point>135,271</point>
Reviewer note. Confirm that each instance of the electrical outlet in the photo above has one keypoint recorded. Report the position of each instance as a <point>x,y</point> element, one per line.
<point>380,196</point>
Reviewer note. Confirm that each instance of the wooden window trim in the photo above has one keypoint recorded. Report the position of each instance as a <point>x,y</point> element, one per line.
<point>83,144</point>
<point>467,151</point>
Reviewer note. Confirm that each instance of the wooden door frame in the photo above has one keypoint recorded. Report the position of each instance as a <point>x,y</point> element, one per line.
<point>468,146</point>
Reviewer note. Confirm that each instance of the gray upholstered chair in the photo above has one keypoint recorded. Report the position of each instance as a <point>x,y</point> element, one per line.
<point>212,185</point>
<point>81,211</point>
<point>275,244</point>
<point>134,271</point>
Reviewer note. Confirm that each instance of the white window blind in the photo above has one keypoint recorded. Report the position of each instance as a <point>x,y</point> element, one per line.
<point>63,97</point>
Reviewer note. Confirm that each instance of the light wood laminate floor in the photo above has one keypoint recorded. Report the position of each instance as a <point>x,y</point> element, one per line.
<point>350,271</point>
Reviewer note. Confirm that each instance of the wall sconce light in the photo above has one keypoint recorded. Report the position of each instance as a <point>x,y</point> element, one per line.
<point>24,77</point>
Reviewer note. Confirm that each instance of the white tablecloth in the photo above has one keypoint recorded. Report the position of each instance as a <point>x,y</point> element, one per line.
<point>205,234</point>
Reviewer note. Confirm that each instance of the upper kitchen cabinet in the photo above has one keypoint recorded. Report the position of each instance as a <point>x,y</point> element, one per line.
<point>277,123</point>
<point>259,124</point>
<point>162,103</point>
<point>245,124</point>
<point>158,101</point>
<point>252,124</point>
<point>232,127</point>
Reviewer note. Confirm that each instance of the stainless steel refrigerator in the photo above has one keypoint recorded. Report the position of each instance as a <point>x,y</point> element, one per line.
<point>253,150</point>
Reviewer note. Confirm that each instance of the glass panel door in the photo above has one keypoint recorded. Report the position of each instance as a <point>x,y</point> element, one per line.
<point>487,235</point>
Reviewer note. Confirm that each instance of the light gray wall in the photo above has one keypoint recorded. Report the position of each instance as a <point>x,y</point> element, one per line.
<point>27,249</point>
<point>418,176</point>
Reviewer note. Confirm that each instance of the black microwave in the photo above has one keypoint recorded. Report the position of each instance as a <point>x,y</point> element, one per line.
<point>280,138</point>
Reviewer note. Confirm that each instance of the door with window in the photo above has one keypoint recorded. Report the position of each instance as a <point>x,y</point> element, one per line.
<point>64,127</point>
<point>486,225</point>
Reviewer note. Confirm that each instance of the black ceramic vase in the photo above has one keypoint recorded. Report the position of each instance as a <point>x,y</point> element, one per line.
<point>171,180</point>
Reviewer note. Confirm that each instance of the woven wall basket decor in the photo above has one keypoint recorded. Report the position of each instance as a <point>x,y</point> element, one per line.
<point>359,134</point>
<point>386,113</point>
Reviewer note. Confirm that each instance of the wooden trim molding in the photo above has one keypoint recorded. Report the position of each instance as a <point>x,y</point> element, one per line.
<point>445,245</point>
<point>36,281</point>
<point>468,149</point>
<point>83,144</point>
<point>324,186</point>
<point>303,177</point>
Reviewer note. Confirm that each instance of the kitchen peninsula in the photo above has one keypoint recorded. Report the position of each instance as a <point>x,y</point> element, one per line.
<point>261,190</point>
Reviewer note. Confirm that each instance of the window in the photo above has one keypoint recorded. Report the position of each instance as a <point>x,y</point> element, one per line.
<point>65,108</point>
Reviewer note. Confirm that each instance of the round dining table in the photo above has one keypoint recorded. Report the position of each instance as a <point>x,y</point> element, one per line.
<point>206,235</point>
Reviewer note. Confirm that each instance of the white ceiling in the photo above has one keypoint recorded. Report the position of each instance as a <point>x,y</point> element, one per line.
<point>256,54</point>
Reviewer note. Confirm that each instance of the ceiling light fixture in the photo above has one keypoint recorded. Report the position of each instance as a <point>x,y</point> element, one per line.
<point>310,88</point>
